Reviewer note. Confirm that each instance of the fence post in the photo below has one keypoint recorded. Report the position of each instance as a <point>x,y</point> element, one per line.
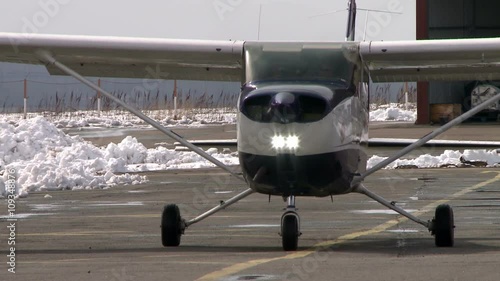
<point>175,99</point>
<point>25,99</point>
<point>99,99</point>
<point>406,95</point>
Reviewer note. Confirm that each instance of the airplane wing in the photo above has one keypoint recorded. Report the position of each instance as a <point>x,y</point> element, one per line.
<point>432,60</point>
<point>211,60</point>
<point>129,57</point>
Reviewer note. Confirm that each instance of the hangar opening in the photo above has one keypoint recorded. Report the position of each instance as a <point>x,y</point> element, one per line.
<point>452,19</point>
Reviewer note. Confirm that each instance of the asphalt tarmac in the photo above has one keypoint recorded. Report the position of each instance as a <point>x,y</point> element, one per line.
<point>114,234</point>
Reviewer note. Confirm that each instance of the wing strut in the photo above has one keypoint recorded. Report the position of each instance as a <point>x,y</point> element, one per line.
<point>360,188</point>
<point>46,57</point>
<point>441,226</point>
<point>427,138</point>
<point>221,206</point>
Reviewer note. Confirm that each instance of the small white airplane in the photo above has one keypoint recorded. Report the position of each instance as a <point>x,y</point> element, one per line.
<point>303,108</point>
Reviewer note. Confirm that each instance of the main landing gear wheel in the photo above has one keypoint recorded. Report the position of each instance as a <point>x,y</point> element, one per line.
<point>171,226</point>
<point>290,231</point>
<point>444,226</point>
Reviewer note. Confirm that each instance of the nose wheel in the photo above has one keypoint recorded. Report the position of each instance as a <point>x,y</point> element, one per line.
<point>290,231</point>
<point>290,226</point>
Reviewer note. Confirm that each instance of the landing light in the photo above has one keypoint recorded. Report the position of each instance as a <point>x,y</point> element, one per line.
<point>281,142</point>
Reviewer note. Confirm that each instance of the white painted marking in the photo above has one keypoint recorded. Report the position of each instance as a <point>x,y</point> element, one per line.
<point>223,192</point>
<point>436,142</point>
<point>384,212</point>
<point>25,215</point>
<point>370,141</point>
<point>45,207</point>
<point>253,225</point>
<point>135,203</point>
<point>403,231</point>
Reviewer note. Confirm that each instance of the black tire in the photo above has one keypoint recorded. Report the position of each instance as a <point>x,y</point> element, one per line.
<point>290,232</point>
<point>444,226</point>
<point>171,226</point>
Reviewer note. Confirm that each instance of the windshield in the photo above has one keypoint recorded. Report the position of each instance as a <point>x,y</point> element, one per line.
<point>285,107</point>
<point>299,61</point>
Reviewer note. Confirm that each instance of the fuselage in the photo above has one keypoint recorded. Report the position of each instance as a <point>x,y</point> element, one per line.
<point>308,137</point>
<point>302,118</point>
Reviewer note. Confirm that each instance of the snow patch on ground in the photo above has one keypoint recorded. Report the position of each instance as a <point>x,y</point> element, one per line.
<point>449,158</point>
<point>393,112</point>
<point>45,158</point>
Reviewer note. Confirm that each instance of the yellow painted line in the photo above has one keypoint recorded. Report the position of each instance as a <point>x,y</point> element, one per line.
<point>81,233</point>
<point>233,269</point>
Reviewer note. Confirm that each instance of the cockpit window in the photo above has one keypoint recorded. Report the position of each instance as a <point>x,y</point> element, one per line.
<point>313,109</point>
<point>285,107</point>
<point>256,108</point>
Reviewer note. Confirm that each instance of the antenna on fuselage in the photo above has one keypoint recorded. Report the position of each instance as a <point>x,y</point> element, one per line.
<point>351,21</point>
<point>260,17</point>
<point>375,11</point>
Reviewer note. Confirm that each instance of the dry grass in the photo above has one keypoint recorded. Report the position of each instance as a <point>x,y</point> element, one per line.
<point>61,103</point>
<point>382,94</point>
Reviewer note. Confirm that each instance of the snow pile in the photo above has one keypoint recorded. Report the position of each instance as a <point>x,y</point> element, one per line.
<point>93,122</point>
<point>392,112</point>
<point>449,158</point>
<point>198,120</point>
<point>118,121</point>
<point>45,158</point>
<point>132,156</point>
